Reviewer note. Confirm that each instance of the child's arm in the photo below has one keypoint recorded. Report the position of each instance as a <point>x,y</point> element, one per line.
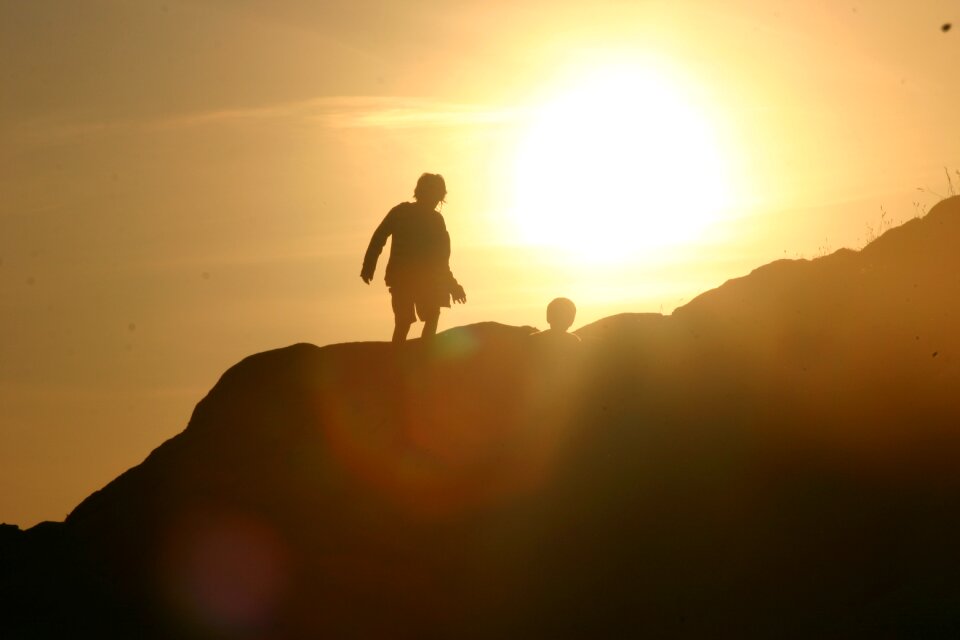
<point>457,293</point>
<point>455,288</point>
<point>375,247</point>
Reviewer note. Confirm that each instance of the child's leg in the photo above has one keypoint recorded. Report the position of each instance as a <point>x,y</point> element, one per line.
<point>403,313</point>
<point>400,330</point>
<point>430,317</point>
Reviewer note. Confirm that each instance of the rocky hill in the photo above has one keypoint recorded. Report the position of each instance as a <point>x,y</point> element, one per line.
<point>775,459</point>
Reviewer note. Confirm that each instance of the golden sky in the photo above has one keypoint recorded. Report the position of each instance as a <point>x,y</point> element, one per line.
<point>183,183</point>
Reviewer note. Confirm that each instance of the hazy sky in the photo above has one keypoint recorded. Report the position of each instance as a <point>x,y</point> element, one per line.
<point>183,184</point>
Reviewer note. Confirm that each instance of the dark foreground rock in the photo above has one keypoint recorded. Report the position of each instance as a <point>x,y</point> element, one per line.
<point>776,459</point>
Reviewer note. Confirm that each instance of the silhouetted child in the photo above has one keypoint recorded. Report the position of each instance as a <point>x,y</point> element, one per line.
<point>555,356</point>
<point>561,313</point>
<point>418,272</point>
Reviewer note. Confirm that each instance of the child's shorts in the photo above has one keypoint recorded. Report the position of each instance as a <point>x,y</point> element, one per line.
<point>410,304</point>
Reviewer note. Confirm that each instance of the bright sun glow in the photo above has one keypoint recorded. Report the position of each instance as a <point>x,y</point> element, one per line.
<point>616,166</point>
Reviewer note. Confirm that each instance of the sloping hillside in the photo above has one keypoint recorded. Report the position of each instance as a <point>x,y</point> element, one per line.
<point>775,459</point>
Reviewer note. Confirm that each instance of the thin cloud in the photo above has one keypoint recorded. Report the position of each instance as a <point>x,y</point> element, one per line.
<point>398,113</point>
<point>292,252</point>
<point>335,112</point>
<point>347,112</point>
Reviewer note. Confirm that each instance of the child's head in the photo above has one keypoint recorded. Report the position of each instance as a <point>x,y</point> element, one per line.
<point>430,188</point>
<point>561,313</point>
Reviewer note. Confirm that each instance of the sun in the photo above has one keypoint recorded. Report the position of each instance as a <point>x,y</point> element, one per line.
<point>617,165</point>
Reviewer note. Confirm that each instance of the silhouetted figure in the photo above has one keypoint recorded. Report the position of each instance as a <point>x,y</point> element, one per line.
<point>556,359</point>
<point>561,313</point>
<point>418,272</point>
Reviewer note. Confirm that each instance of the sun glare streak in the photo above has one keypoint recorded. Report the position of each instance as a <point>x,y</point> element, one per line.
<point>616,165</point>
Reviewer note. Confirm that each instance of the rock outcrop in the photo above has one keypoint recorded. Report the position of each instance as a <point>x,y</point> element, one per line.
<point>775,459</point>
